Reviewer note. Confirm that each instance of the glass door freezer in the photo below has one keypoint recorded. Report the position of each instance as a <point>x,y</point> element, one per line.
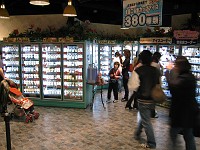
<point>51,70</point>
<point>73,71</point>
<point>11,62</point>
<point>30,70</point>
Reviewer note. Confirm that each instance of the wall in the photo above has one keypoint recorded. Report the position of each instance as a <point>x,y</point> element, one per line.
<point>115,29</point>
<point>179,20</point>
<point>43,21</point>
<point>22,23</point>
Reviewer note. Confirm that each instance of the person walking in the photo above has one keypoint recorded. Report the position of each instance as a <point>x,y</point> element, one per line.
<point>142,81</point>
<point>114,74</point>
<point>125,73</point>
<point>136,63</point>
<point>184,107</point>
<point>155,63</point>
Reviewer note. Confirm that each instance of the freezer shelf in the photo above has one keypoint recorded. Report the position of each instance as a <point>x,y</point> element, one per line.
<point>30,70</point>
<point>51,60</point>
<point>10,57</point>
<point>73,72</point>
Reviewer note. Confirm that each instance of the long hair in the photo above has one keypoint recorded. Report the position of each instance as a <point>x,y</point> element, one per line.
<point>182,64</point>
<point>127,53</point>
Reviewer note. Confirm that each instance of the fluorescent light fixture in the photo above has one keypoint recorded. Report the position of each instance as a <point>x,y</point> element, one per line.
<point>69,10</point>
<point>39,2</point>
<point>3,12</point>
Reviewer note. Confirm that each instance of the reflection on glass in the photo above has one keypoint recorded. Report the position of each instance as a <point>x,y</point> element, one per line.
<point>10,57</point>
<point>73,76</point>
<point>30,70</point>
<point>51,60</point>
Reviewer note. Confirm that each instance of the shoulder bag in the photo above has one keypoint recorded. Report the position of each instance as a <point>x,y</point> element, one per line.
<point>157,94</point>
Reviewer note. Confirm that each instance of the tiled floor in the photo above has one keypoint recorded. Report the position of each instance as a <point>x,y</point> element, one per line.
<point>84,129</point>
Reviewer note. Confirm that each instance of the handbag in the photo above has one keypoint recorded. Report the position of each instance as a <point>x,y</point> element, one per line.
<point>157,94</point>
<point>131,68</point>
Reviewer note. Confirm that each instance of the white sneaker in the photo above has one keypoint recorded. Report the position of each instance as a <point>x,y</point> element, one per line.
<point>115,101</point>
<point>108,101</point>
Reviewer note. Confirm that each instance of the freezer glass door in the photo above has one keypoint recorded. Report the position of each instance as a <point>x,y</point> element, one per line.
<point>151,48</point>
<point>169,53</point>
<point>30,70</point>
<point>105,60</point>
<point>11,62</point>
<point>73,72</point>
<point>193,55</point>
<point>116,48</point>
<point>133,49</point>
<point>51,63</point>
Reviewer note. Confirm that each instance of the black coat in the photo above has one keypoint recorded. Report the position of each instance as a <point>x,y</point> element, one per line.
<point>125,68</point>
<point>183,104</point>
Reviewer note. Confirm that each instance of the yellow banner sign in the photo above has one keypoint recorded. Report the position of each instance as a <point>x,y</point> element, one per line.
<point>156,40</point>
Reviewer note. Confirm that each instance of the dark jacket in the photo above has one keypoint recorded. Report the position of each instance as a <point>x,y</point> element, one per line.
<point>149,77</point>
<point>183,104</point>
<point>125,68</point>
<point>115,72</point>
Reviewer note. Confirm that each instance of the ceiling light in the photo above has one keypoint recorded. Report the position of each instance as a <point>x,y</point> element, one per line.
<point>39,2</point>
<point>3,12</point>
<point>69,10</point>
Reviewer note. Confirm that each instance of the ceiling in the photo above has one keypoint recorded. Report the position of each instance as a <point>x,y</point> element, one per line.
<point>98,11</point>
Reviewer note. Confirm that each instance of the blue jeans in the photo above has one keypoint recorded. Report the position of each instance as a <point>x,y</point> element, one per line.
<point>119,84</point>
<point>187,135</point>
<point>145,122</point>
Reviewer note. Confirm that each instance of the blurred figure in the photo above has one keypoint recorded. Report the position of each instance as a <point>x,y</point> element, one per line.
<point>184,106</point>
<point>125,74</point>
<point>155,63</point>
<point>1,70</point>
<point>136,63</point>
<point>118,58</point>
<point>142,80</point>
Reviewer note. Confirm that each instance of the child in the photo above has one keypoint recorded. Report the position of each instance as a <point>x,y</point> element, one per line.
<point>113,83</point>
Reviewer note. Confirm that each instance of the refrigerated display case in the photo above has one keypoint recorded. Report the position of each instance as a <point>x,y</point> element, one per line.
<point>95,55</point>
<point>152,48</point>
<point>50,74</point>
<point>106,54</point>
<point>133,47</point>
<point>114,49</point>
<point>73,72</point>
<point>193,55</point>
<point>104,61</point>
<point>51,70</point>
<point>169,53</point>
<point>30,70</point>
<point>11,62</point>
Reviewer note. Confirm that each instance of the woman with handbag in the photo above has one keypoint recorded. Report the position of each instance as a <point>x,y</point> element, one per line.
<point>184,107</point>
<point>142,81</point>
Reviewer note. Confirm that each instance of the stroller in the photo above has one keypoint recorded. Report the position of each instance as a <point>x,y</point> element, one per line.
<point>23,107</point>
